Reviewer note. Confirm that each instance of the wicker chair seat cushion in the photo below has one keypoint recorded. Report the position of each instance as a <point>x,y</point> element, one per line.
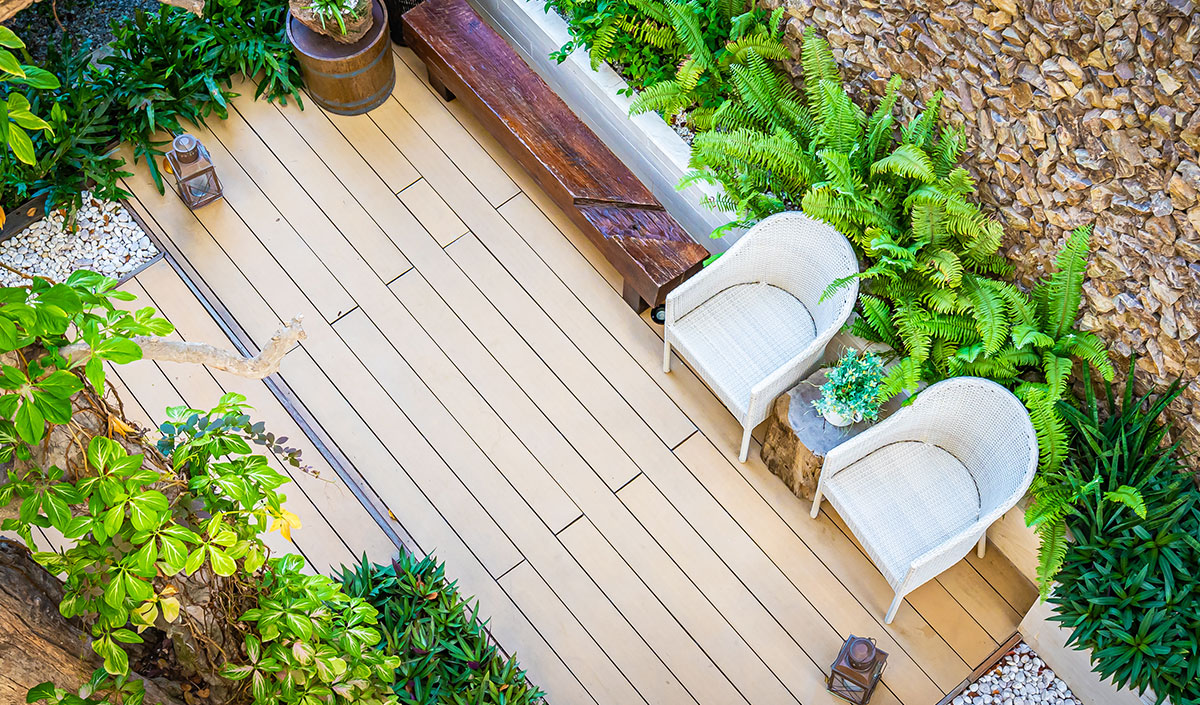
<point>903,500</point>
<point>743,334</point>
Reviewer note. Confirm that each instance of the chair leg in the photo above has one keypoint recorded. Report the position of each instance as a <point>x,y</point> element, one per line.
<point>891,613</point>
<point>981,547</point>
<point>816,506</point>
<point>745,453</point>
<point>666,357</point>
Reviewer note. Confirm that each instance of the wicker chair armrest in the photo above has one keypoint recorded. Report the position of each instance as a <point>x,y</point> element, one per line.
<point>937,559</point>
<point>787,375</point>
<point>702,286</point>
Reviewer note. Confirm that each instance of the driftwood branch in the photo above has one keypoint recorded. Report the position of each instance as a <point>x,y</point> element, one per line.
<point>194,6</point>
<point>263,364</point>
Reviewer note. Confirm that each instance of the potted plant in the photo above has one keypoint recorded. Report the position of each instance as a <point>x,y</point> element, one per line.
<point>345,21</point>
<point>851,390</point>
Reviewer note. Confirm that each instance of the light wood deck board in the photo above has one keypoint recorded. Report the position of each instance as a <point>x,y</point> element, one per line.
<point>469,352</point>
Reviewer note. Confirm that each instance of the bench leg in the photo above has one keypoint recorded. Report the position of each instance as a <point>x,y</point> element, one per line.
<point>439,87</point>
<point>633,298</point>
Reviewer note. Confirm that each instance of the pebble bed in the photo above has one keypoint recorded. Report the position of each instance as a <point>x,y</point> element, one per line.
<point>1021,678</point>
<point>108,240</point>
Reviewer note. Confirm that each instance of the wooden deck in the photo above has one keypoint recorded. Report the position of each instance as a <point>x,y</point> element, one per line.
<point>469,354</point>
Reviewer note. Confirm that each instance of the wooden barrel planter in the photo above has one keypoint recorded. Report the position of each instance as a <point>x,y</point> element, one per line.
<point>347,79</point>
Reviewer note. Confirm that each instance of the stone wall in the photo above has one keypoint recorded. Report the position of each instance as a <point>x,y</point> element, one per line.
<point>1076,111</point>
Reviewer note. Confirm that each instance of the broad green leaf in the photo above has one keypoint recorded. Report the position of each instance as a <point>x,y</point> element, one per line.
<point>94,370</point>
<point>138,589</point>
<point>118,350</point>
<point>170,608</point>
<point>114,518</point>
<point>60,384</point>
<point>194,561</point>
<point>222,564</point>
<point>10,65</point>
<point>173,553</point>
<point>31,424</point>
<point>21,145</point>
<point>146,510</point>
<point>9,39</point>
<point>114,593</point>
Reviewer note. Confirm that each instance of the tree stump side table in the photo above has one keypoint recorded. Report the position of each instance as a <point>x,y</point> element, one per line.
<point>798,438</point>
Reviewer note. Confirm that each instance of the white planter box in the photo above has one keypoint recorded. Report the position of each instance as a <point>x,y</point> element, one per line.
<point>645,143</point>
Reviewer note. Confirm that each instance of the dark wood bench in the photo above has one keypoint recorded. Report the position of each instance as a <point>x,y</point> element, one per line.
<point>467,59</point>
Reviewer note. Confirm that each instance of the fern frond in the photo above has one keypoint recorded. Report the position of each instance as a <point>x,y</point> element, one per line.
<point>818,65</point>
<point>659,36</point>
<point>761,44</point>
<point>1058,372</point>
<point>1130,497</point>
<point>668,97</point>
<point>909,161</point>
<point>1026,335</point>
<point>603,41</point>
<point>877,316</point>
<point>840,121</point>
<point>879,125</point>
<point>685,18</point>
<point>904,376</point>
<point>1087,346</point>
<point>1049,425</point>
<point>1064,288</point>
<point>915,332</point>
<point>1051,553</point>
<point>729,9</point>
<point>950,145</point>
<point>654,9</point>
<point>991,311</point>
<point>923,128</point>
<point>944,268</point>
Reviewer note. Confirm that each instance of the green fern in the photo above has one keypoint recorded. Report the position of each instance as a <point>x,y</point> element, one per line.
<point>1130,497</point>
<point>908,161</point>
<point>1061,293</point>
<point>1052,551</point>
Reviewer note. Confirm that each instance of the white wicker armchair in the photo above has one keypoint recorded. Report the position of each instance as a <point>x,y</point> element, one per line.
<point>923,486</point>
<point>752,324</point>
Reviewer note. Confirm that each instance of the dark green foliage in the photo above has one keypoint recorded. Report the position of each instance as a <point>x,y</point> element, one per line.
<point>75,151</point>
<point>678,53</point>
<point>168,71</point>
<point>448,656</point>
<point>172,68</point>
<point>1127,587</point>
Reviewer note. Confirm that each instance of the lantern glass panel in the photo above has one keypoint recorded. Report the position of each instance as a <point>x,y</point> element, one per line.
<point>195,179</point>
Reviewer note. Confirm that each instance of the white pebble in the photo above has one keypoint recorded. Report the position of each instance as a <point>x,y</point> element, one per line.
<point>107,240</point>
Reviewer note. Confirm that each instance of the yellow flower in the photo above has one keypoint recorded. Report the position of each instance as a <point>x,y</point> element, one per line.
<point>285,522</point>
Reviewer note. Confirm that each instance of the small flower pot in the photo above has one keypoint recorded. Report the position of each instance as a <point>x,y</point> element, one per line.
<point>837,419</point>
<point>358,22</point>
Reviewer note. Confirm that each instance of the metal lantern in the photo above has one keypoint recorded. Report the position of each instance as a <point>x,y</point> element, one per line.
<point>857,670</point>
<point>196,181</point>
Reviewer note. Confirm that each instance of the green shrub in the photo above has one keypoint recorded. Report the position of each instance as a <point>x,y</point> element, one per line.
<point>447,656</point>
<point>677,53</point>
<point>172,68</point>
<point>1127,585</point>
<point>75,151</point>
<point>163,542</point>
